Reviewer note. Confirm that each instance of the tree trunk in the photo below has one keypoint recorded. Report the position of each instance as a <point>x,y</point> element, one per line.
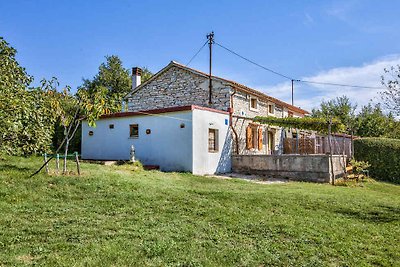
<point>65,156</point>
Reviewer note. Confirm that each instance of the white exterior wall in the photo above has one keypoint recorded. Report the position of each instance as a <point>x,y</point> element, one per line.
<point>168,145</point>
<point>205,162</point>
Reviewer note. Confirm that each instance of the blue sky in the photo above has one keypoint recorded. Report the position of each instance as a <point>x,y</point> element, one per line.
<point>331,41</point>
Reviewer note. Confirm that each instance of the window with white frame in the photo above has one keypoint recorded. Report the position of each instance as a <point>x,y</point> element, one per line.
<point>271,108</point>
<point>253,103</point>
<point>212,140</point>
<point>134,131</point>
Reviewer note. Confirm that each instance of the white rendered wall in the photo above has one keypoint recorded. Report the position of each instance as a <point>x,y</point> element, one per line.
<point>205,162</point>
<point>168,145</point>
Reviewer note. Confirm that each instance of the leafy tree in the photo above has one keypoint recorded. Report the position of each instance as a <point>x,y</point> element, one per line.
<point>340,108</point>
<point>114,80</point>
<point>391,96</point>
<point>373,122</point>
<point>26,116</point>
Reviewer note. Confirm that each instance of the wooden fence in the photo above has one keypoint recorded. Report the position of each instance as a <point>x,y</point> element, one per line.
<point>318,145</point>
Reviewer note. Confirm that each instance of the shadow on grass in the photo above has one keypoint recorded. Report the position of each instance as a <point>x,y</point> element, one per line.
<point>382,214</point>
<point>10,167</point>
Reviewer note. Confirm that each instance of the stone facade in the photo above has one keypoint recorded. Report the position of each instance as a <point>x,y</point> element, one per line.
<point>243,112</point>
<point>178,87</point>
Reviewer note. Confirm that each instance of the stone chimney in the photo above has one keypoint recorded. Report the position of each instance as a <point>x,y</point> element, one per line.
<point>136,77</point>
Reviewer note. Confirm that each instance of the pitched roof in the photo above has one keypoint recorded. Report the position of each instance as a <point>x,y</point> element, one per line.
<point>235,85</point>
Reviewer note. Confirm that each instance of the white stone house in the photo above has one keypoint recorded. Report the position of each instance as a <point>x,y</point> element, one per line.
<point>178,95</point>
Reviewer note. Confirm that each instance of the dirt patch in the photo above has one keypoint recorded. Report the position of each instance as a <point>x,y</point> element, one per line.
<point>251,178</point>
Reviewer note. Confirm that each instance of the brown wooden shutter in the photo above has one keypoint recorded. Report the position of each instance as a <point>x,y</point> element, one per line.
<point>249,138</point>
<point>260,138</point>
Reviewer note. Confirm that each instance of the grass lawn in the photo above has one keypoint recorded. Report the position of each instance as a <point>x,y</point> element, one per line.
<point>114,216</point>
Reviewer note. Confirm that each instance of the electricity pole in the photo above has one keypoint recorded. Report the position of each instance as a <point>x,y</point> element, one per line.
<point>292,91</point>
<point>210,38</point>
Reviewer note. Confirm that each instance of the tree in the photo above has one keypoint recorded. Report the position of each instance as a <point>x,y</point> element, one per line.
<point>114,80</point>
<point>340,108</point>
<point>391,96</point>
<point>373,122</point>
<point>26,116</point>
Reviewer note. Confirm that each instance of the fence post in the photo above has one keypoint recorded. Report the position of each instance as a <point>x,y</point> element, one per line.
<point>77,163</point>
<point>45,161</point>
<point>58,162</point>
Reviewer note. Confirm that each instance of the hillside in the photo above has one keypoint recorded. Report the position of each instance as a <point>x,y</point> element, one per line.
<point>114,216</point>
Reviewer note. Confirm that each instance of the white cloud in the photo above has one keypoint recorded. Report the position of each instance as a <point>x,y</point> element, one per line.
<point>309,96</point>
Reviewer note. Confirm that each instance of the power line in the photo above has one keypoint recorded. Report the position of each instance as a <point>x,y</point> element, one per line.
<point>342,85</point>
<point>252,62</point>
<point>293,79</point>
<point>196,53</point>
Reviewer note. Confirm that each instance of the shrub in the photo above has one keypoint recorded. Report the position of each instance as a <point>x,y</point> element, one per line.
<point>384,156</point>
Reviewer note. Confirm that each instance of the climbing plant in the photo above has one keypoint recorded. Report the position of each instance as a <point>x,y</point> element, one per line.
<point>306,123</point>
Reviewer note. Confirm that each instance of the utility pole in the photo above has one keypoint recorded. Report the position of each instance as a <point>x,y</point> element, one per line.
<point>210,38</point>
<point>292,91</point>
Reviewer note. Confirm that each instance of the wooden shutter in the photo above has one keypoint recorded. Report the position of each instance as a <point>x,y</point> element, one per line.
<point>249,138</point>
<point>260,138</point>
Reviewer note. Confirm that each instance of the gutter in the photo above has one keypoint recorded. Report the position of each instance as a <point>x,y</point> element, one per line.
<point>231,123</point>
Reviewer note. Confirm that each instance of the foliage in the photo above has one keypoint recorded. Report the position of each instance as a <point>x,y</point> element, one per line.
<point>306,123</point>
<point>26,118</point>
<point>372,122</point>
<point>112,216</point>
<point>391,96</point>
<point>384,156</point>
<point>339,108</point>
<point>359,166</point>
<point>70,110</point>
<point>112,80</point>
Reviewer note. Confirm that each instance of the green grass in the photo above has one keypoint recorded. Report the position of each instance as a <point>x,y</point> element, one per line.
<point>112,216</point>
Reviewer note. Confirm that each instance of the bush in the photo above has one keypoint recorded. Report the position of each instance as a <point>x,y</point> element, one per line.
<point>384,156</point>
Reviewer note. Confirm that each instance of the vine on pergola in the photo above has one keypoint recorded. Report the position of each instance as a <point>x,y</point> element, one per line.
<point>306,123</point>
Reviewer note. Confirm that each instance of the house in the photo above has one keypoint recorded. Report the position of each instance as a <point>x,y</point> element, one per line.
<point>176,122</point>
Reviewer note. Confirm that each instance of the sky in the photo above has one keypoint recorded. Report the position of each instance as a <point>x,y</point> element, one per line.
<point>348,42</point>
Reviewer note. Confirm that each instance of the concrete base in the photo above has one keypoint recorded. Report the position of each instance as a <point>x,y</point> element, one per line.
<point>310,168</point>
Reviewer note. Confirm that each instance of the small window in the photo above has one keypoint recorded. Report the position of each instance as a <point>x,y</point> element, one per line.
<point>212,140</point>
<point>90,133</point>
<point>271,109</point>
<point>253,103</point>
<point>111,126</point>
<point>134,131</point>
<point>290,114</point>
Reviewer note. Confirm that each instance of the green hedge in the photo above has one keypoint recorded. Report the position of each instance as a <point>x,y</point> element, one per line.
<point>384,156</point>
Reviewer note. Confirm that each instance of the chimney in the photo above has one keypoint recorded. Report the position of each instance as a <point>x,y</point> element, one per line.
<point>136,77</point>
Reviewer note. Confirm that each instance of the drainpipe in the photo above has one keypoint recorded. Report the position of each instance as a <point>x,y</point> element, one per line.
<point>231,123</point>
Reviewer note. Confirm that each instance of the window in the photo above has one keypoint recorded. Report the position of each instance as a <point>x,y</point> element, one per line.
<point>212,140</point>
<point>111,126</point>
<point>134,131</point>
<point>271,108</point>
<point>253,103</point>
<point>290,114</point>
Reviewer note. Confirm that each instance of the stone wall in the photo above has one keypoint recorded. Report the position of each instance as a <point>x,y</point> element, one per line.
<point>242,111</point>
<point>178,87</point>
<point>310,168</point>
